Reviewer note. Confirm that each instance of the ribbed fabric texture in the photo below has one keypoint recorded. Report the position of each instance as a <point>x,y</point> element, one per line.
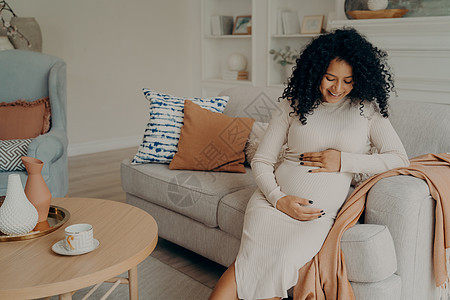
<point>274,246</point>
<point>337,126</point>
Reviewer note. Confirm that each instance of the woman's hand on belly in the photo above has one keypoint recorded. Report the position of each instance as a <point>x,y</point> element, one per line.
<point>297,208</point>
<point>326,161</point>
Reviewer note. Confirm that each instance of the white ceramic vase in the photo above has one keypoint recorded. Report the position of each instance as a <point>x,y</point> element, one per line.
<point>30,28</point>
<point>17,214</point>
<point>377,4</point>
<point>5,44</point>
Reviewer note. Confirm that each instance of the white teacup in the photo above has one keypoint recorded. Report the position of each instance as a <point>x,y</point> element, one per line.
<point>79,237</point>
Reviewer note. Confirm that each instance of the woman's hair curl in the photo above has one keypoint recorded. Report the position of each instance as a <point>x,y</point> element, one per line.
<point>372,79</point>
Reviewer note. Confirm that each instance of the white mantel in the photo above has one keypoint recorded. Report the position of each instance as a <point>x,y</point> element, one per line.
<point>419,53</point>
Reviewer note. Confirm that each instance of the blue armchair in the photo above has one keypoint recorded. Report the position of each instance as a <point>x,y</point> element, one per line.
<point>29,76</point>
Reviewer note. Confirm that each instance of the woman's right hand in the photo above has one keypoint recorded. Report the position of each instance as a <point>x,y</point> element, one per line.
<point>297,208</point>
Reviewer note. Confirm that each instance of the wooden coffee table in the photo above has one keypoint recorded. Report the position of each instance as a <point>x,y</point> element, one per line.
<point>29,269</point>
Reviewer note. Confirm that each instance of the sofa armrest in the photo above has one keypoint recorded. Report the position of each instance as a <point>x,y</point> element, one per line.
<point>369,253</point>
<point>404,204</point>
<point>49,147</point>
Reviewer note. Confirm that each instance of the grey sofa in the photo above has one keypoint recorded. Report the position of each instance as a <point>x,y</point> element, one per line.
<point>29,75</point>
<point>388,255</point>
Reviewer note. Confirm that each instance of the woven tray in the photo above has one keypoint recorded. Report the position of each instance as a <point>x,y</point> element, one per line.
<point>57,216</point>
<point>377,14</point>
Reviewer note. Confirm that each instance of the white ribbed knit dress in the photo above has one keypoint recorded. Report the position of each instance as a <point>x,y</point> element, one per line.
<point>275,246</point>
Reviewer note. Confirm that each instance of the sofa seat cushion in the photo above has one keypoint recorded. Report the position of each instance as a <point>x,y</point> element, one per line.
<point>369,253</point>
<point>195,194</point>
<point>232,209</point>
<point>387,289</point>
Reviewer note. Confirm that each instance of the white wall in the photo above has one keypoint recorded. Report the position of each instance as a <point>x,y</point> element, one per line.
<point>114,48</point>
<point>419,54</point>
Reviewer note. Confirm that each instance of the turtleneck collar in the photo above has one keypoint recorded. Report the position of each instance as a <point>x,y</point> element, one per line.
<point>337,104</point>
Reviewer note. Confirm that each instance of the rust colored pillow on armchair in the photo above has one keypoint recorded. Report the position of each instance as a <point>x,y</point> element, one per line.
<point>24,120</point>
<point>211,141</point>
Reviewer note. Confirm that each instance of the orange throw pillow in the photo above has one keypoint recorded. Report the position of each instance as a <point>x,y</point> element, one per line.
<point>24,120</point>
<point>211,141</point>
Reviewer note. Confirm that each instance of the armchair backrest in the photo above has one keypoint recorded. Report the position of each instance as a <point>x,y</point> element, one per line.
<point>29,75</point>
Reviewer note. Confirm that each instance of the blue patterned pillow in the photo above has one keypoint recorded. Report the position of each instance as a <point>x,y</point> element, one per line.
<point>160,142</point>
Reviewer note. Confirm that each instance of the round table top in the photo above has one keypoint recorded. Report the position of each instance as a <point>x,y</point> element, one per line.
<point>30,268</point>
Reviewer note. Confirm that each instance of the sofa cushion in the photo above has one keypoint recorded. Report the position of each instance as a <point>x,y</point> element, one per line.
<point>232,209</point>
<point>195,194</point>
<point>259,103</point>
<point>211,141</point>
<point>417,138</point>
<point>11,152</point>
<point>165,121</point>
<point>369,253</point>
<point>387,289</point>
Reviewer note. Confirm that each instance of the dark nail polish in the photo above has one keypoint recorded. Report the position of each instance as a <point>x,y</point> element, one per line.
<point>310,201</point>
<point>321,211</point>
<point>301,155</point>
<point>319,216</point>
<point>309,171</point>
<point>323,214</point>
<point>301,158</point>
<point>302,163</point>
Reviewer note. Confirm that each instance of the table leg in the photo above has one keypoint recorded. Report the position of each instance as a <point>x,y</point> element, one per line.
<point>133,283</point>
<point>66,296</point>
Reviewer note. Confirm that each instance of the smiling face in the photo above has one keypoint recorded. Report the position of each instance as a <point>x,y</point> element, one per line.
<point>337,81</point>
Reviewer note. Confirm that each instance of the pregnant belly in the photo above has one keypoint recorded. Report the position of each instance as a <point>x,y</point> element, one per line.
<point>327,190</point>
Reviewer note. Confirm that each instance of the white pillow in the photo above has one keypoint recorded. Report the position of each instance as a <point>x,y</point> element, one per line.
<point>160,142</point>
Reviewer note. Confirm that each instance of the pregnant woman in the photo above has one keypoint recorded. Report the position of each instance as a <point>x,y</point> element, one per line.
<point>333,111</point>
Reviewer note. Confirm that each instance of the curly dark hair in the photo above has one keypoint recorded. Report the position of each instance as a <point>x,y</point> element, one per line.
<point>372,79</point>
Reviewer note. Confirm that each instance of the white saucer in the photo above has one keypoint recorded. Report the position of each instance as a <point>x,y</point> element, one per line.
<point>59,248</point>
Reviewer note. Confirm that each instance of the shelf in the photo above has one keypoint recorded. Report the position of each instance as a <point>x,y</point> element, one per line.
<point>228,82</point>
<point>399,25</point>
<point>404,34</point>
<point>299,35</point>
<point>275,74</point>
<point>237,36</point>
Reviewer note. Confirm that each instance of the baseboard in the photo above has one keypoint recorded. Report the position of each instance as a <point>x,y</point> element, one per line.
<point>103,145</point>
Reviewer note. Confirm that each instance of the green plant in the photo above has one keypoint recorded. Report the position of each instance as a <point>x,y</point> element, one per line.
<point>284,57</point>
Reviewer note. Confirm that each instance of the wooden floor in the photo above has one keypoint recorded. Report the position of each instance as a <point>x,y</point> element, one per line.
<point>98,176</point>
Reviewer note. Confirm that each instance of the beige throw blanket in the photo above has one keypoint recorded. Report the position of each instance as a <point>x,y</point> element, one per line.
<point>325,276</point>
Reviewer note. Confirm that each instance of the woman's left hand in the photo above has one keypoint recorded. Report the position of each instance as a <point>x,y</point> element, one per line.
<point>327,160</point>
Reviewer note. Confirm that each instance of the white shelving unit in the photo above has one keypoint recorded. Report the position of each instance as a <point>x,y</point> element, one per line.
<point>276,74</point>
<point>262,70</point>
<point>419,48</point>
<point>217,49</point>
<point>419,53</point>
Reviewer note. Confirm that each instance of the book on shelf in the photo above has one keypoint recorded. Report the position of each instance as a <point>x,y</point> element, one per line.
<point>235,75</point>
<point>221,25</point>
<point>279,22</point>
<point>290,22</point>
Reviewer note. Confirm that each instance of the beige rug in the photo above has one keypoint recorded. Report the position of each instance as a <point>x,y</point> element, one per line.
<point>156,281</point>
